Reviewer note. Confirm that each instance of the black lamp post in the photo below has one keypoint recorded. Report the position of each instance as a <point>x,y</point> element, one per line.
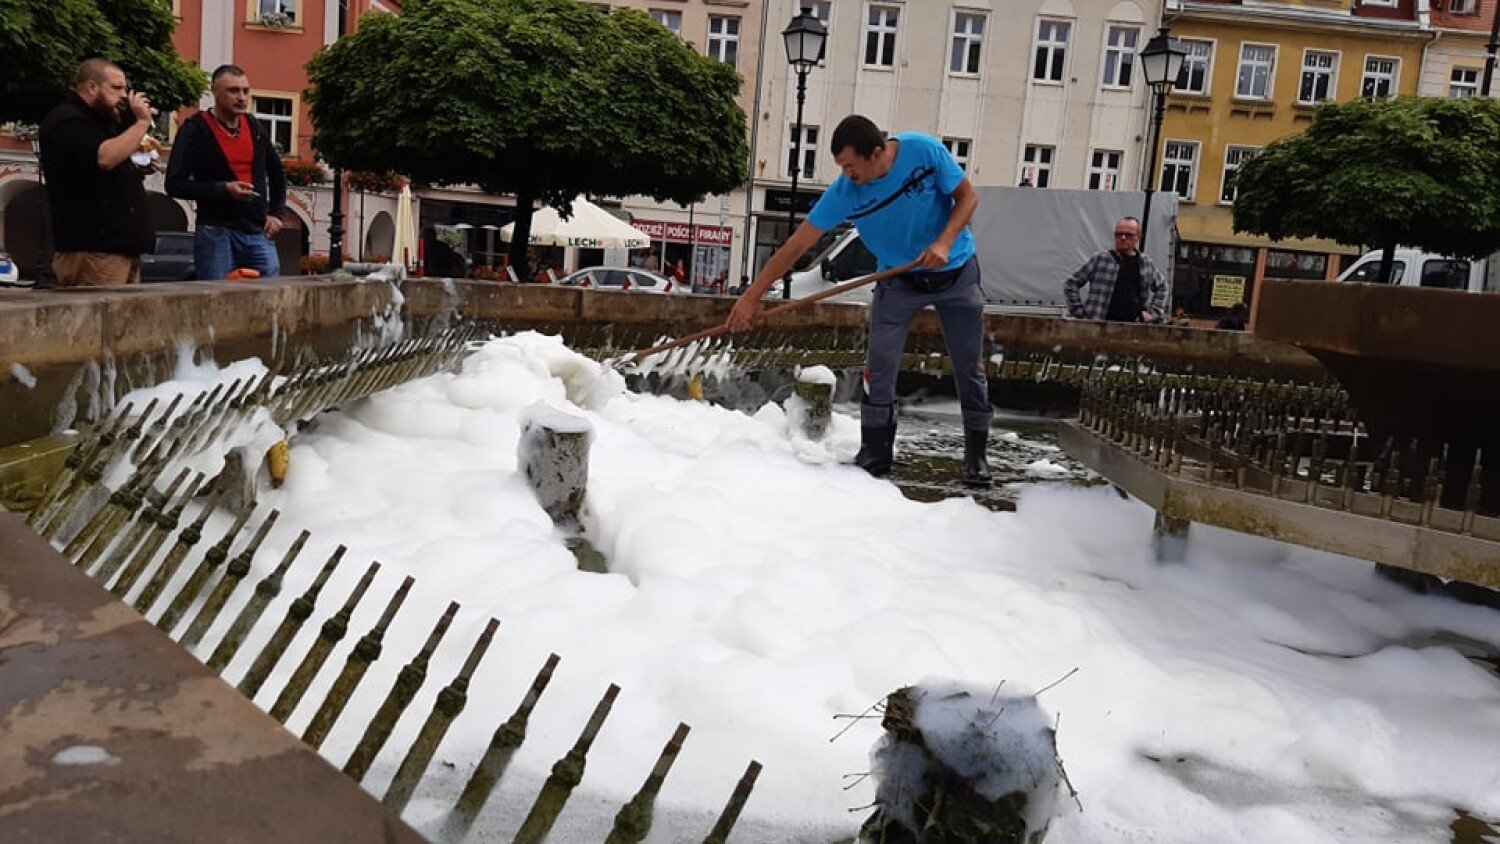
<point>1161,62</point>
<point>1489,50</point>
<point>336,217</point>
<point>805,38</point>
<point>41,209</point>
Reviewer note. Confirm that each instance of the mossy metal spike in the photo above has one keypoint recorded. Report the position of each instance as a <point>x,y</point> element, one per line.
<point>233,574</point>
<point>296,615</point>
<point>566,774</point>
<point>190,536</point>
<point>408,682</point>
<point>450,703</point>
<point>212,559</point>
<point>330,634</point>
<point>365,651</point>
<point>503,746</point>
<point>265,591</point>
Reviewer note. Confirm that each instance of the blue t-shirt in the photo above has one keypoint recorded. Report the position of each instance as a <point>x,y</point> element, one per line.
<point>903,212</point>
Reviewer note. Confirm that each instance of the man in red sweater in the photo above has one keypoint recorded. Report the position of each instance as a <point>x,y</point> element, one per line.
<point>225,162</point>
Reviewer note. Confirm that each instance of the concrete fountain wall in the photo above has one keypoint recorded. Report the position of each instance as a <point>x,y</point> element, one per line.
<point>64,356</point>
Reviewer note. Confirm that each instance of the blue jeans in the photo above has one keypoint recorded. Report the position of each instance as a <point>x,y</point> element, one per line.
<point>960,309</point>
<point>217,250</point>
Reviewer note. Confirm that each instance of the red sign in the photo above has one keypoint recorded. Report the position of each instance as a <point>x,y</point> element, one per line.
<point>683,233</point>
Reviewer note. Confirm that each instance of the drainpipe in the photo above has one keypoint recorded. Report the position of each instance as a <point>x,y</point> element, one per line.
<point>748,245</point>
<point>1424,20</point>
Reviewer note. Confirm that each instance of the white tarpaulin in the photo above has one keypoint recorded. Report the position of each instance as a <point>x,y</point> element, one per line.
<point>1029,240</point>
<point>590,227</point>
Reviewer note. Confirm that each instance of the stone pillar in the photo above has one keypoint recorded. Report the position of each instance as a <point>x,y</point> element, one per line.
<point>815,389</point>
<point>1169,537</point>
<point>553,454</point>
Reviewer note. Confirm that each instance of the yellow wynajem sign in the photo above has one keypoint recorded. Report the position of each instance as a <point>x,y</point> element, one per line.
<point>1228,291</point>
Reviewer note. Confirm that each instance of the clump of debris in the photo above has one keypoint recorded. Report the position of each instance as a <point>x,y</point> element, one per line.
<point>959,765</point>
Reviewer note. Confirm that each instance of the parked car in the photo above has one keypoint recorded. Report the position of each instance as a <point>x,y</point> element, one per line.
<point>9,275</point>
<point>1415,268</point>
<point>623,278</point>
<point>172,260</point>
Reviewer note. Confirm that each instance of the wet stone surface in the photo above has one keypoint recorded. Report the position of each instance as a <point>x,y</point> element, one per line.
<point>1022,451</point>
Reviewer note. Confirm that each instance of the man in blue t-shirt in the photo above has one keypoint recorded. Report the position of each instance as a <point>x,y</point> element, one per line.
<point>911,203</point>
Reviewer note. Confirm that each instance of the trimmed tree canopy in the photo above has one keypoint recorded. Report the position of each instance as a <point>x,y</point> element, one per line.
<point>1420,172</point>
<point>545,99</point>
<point>42,42</point>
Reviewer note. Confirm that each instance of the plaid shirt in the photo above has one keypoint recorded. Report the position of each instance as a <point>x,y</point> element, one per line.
<point>1100,273</point>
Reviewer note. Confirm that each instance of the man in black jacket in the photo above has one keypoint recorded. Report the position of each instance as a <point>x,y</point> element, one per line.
<point>99,219</point>
<point>225,162</point>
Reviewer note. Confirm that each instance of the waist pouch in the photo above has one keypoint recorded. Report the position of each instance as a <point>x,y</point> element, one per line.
<point>932,282</point>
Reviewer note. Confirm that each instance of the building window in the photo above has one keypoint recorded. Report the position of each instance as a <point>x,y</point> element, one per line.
<point>1036,166</point>
<point>1464,83</point>
<point>968,35</point>
<point>1257,61</point>
<point>724,39</point>
<point>1194,76</point>
<point>959,149</point>
<point>275,114</point>
<point>670,20</point>
<point>809,151</point>
<point>821,9</point>
<point>1051,50</point>
<point>1233,158</point>
<point>1380,77</point>
<point>1104,169</point>
<point>1119,55</point>
<point>880,36</point>
<point>1179,167</point>
<point>275,12</point>
<point>1319,76</point>
<point>1462,7</point>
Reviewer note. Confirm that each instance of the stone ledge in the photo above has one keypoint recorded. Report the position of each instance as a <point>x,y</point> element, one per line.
<point>179,754</point>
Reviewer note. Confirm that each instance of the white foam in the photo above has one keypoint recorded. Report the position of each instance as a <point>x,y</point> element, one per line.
<point>758,588</point>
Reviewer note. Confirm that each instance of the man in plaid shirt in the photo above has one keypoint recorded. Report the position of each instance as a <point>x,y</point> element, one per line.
<point>1124,285</point>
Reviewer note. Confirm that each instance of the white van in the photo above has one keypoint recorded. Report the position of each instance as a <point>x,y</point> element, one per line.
<point>1415,268</point>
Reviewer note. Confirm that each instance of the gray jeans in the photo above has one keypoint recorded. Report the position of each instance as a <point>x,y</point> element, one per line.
<point>960,309</point>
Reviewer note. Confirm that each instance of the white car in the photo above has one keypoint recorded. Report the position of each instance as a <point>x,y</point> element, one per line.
<point>632,279</point>
<point>9,274</point>
<point>838,256</point>
<point>1415,268</point>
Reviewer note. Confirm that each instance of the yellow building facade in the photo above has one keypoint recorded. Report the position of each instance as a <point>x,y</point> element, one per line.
<point>1253,75</point>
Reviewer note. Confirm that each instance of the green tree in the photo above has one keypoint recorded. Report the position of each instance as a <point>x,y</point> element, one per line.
<point>543,99</point>
<point>42,42</point>
<point>1421,172</point>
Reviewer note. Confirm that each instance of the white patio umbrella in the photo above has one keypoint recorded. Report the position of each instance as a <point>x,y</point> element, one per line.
<point>590,227</point>
<point>404,248</point>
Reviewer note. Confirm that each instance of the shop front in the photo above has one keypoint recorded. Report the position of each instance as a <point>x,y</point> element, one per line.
<point>702,251</point>
<point>1211,278</point>
<point>771,229</point>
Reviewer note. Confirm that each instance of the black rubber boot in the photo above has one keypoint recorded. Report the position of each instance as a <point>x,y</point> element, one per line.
<point>976,464</point>
<point>875,447</point>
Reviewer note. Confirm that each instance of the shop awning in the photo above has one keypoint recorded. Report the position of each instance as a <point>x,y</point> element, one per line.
<point>590,227</point>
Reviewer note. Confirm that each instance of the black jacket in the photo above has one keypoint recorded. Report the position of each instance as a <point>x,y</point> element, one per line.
<point>197,170</point>
<point>93,210</point>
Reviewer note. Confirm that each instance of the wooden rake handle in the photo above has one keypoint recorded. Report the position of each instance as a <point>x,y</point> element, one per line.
<point>793,305</point>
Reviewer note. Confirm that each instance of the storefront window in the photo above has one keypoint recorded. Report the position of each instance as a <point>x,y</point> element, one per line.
<point>1307,266</point>
<point>1210,278</point>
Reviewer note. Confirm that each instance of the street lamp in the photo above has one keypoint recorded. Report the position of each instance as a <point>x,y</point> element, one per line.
<point>41,208</point>
<point>336,216</point>
<point>1490,49</point>
<point>1161,62</point>
<point>805,38</point>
